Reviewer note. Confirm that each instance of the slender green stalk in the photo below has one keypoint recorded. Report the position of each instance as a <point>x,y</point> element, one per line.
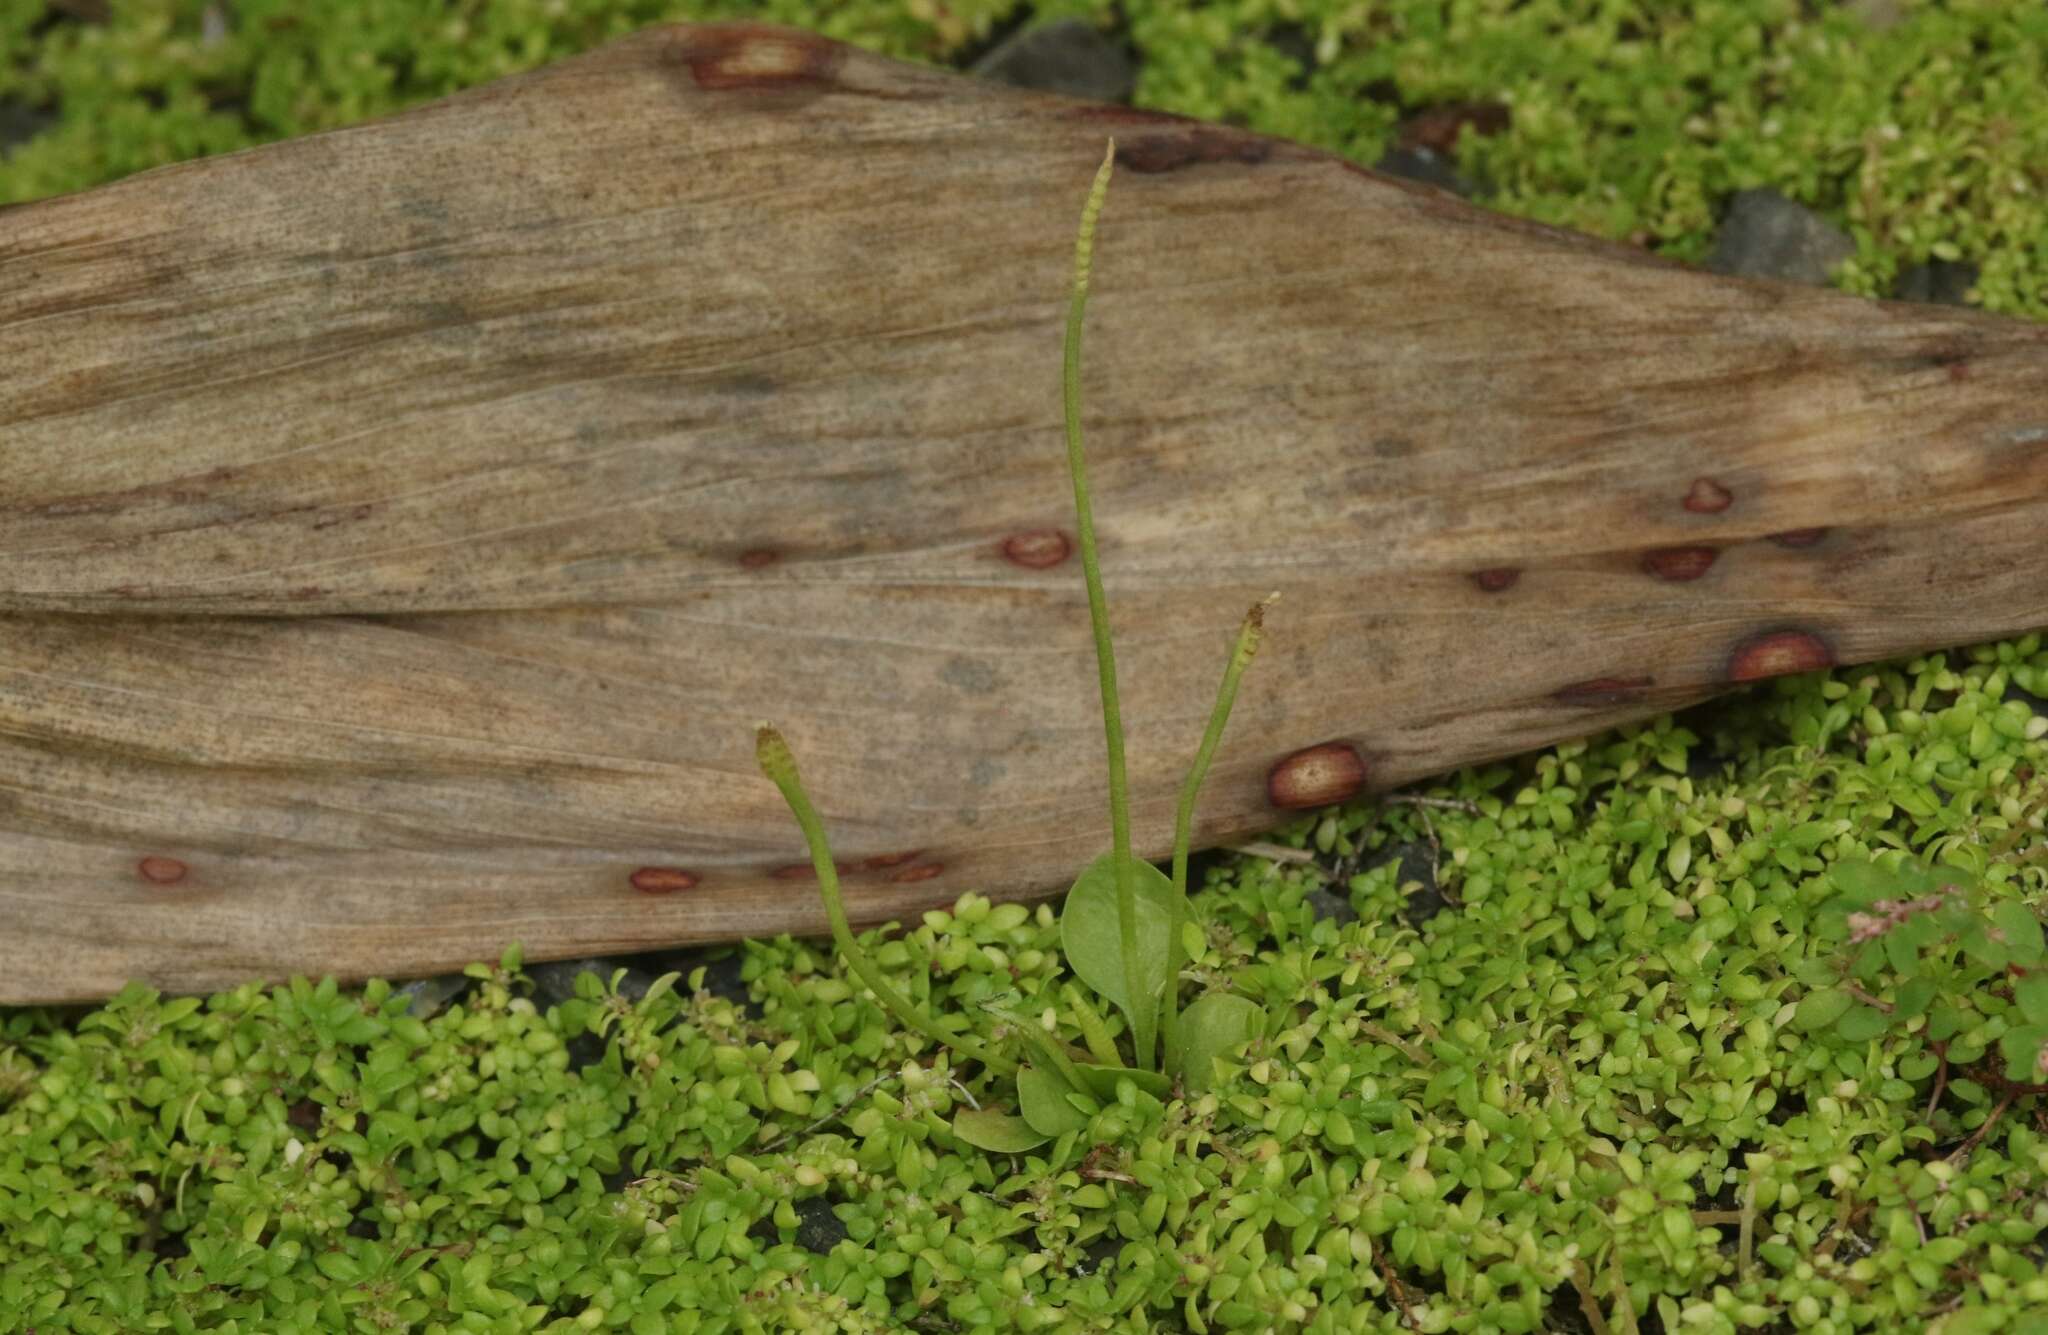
<point>1098,616</point>
<point>1184,819</point>
<point>772,753</point>
<point>1093,1031</point>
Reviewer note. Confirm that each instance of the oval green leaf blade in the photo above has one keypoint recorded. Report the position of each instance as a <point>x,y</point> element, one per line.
<point>2022,932</point>
<point>1102,1081</point>
<point>1817,970</point>
<point>2030,994</point>
<point>1818,1010</point>
<point>1862,879</point>
<point>1215,1026</point>
<point>991,1129</point>
<point>1945,1020</point>
<point>1860,1024</point>
<point>1043,1097</point>
<point>2022,1049</point>
<point>1914,998</point>
<point>1091,937</point>
<point>1982,945</point>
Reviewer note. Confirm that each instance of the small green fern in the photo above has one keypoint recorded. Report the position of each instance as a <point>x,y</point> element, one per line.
<point>1122,925</point>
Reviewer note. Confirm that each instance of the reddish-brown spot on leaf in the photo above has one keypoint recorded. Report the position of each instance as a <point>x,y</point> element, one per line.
<point>757,56</point>
<point>1601,691</point>
<point>1437,128</point>
<point>1316,776</point>
<point>1778,652</point>
<point>662,880</point>
<point>803,871</point>
<point>1679,563</point>
<point>1198,145</point>
<point>158,870</point>
<point>1708,497</point>
<point>1496,579</point>
<point>923,871</point>
<point>1799,537</point>
<point>881,860</point>
<point>756,557</point>
<point>1116,114</point>
<point>1958,372</point>
<point>1038,549</point>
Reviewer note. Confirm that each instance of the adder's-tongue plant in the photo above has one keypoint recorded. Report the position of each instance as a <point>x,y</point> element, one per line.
<point>1121,926</point>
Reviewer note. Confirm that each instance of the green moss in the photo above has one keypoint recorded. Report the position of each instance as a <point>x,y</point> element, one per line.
<point>1584,1088</point>
<point>1926,138</point>
<point>149,86</point>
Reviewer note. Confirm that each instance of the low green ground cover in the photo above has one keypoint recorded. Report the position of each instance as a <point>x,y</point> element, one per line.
<point>1577,1097</point>
<point>1622,1079</point>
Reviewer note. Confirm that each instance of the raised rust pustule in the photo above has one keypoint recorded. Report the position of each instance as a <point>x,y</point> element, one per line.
<point>1496,579</point>
<point>1778,652</point>
<point>1679,564</point>
<point>1038,549</point>
<point>159,870</point>
<point>662,880</point>
<point>1707,497</point>
<point>1316,776</point>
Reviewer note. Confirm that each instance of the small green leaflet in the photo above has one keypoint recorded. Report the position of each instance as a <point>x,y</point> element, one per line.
<point>990,1129</point>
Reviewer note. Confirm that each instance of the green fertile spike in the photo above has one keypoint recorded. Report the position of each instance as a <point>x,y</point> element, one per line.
<point>1183,822</point>
<point>776,760</point>
<point>1098,613</point>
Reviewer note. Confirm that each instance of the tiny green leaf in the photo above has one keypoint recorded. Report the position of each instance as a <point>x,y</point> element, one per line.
<point>1984,947</point>
<point>1817,970</point>
<point>991,1129</point>
<point>1901,946</point>
<point>2021,1049</point>
<point>1863,880</point>
<point>1090,935</point>
<point>1215,1026</point>
<point>1818,1010</point>
<point>2031,994</point>
<point>1861,1024</point>
<point>1907,880</point>
<point>1913,998</point>
<point>1946,1020</point>
<point>2022,931</point>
